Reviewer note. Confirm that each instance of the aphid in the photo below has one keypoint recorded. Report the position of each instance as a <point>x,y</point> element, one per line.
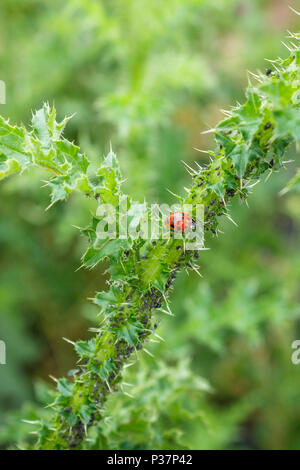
<point>230,192</point>
<point>267,125</point>
<point>180,222</point>
<point>269,71</point>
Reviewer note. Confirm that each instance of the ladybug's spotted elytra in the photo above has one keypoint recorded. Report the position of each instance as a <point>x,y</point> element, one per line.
<point>180,222</point>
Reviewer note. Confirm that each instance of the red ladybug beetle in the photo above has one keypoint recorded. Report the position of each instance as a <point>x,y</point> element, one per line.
<point>179,221</point>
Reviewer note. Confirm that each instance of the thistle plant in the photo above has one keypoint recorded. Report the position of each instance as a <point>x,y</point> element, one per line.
<point>251,142</point>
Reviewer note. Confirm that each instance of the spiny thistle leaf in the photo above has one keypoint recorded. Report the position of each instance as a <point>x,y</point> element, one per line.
<point>251,142</point>
<point>86,348</point>
<point>65,387</point>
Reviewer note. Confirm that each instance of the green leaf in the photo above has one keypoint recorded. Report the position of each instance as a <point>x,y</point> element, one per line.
<point>86,412</point>
<point>105,369</point>
<point>225,141</point>
<point>85,348</point>
<point>13,152</point>
<point>109,248</point>
<point>103,299</point>
<point>65,387</point>
<point>279,91</point>
<point>287,123</point>
<point>240,158</point>
<point>40,127</point>
<point>217,188</point>
<point>130,332</point>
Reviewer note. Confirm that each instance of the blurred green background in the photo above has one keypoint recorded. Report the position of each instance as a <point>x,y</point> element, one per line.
<point>149,76</point>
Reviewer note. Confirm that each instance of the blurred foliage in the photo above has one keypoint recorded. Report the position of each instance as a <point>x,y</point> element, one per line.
<point>149,77</point>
